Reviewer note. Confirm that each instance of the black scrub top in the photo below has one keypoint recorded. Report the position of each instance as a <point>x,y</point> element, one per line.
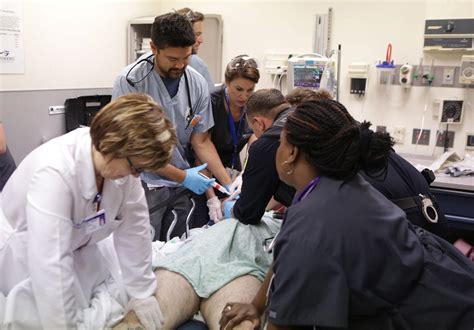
<point>260,178</point>
<point>346,257</point>
<point>221,134</point>
<point>403,180</point>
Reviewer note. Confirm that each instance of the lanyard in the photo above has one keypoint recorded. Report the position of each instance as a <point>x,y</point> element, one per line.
<point>306,191</point>
<point>232,127</point>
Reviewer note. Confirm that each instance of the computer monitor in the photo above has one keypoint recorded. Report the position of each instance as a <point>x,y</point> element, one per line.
<point>306,71</point>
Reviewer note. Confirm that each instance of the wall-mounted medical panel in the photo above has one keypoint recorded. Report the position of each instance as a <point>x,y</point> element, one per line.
<point>449,34</point>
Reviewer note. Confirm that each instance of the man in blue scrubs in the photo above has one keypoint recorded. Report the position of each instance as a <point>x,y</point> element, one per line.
<point>184,95</point>
<point>197,63</point>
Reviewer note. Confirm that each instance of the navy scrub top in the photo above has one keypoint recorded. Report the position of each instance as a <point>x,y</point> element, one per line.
<point>347,258</point>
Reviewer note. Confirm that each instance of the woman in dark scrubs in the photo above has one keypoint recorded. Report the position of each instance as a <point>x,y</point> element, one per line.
<point>346,258</point>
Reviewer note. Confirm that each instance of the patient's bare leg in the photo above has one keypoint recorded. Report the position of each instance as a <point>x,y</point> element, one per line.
<point>243,289</point>
<point>176,297</point>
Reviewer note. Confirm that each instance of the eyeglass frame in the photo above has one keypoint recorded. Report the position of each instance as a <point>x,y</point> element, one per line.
<point>136,170</point>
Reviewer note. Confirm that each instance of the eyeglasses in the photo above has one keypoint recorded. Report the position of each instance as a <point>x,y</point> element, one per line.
<point>191,16</point>
<point>136,170</point>
<point>242,62</point>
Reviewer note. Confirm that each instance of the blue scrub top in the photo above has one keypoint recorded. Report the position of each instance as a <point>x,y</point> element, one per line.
<point>176,107</point>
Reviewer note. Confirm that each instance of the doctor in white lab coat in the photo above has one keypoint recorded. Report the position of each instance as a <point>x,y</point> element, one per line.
<point>65,197</point>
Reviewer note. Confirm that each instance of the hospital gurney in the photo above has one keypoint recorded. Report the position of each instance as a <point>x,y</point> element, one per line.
<point>182,191</point>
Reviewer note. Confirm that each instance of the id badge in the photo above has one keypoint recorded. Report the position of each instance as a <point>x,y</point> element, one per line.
<point>94,222</point>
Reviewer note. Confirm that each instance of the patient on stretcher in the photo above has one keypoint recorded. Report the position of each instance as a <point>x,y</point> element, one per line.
<point>226,262</point>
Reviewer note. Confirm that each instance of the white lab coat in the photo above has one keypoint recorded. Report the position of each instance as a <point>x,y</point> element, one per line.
<point>43,240</point>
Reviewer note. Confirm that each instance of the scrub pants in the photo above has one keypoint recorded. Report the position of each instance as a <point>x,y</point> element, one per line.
<point>162,218</point>
<point>193,325</point>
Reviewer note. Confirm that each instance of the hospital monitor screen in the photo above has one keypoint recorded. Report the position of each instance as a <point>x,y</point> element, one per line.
<point>308,76</point>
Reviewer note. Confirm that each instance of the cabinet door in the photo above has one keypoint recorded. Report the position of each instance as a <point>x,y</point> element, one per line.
<point>211,49</point>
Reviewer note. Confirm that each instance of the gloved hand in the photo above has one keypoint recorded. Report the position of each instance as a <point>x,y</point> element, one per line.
<point>215,211</point>
<point>195,181</point>
<point>228,206</point>
<point>148,312</point>
<point>235,187</point>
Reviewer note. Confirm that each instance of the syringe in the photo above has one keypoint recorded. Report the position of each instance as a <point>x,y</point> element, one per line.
<point>216,185</point>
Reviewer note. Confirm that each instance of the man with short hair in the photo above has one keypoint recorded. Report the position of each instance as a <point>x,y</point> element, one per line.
<point>197,20</point>
<point>267,110</point>
<point>184,95</point>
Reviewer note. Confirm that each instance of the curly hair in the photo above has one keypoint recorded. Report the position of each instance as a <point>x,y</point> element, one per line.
<point>134,125</point>
<point>333,142</point>
<point>172,30</point>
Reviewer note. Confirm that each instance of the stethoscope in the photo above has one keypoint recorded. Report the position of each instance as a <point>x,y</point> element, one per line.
<point>149,60</point>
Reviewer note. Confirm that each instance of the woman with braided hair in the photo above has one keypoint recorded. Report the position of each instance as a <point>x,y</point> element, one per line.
<point>346,257</point>
<point>391,174</point>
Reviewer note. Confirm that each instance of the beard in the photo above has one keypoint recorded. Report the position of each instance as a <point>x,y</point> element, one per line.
<point>175,73</point>
<point>171,73</point>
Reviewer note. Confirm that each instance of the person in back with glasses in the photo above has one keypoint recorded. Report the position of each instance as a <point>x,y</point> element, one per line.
<point>64,200</point>
<point>197,20</point>
<point>231,132</point>
<point>184,96</point>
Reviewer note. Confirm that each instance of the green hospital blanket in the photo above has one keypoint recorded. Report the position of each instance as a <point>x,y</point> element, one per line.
<point>225,251</point>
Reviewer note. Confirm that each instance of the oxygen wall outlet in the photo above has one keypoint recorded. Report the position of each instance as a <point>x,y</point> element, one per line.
<point>399,134</point>
<point>406,75</point>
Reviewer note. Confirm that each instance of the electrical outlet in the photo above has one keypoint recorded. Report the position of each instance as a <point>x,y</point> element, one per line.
<point>56,109</point>
<point>399,134</point>
<point>381,129</point>
<point>423,139</point>
<point>448,76</point>
<point>470,141</point>
<point>445,139</point>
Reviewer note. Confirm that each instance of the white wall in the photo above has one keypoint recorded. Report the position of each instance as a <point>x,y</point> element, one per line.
<point>74,43</point>
<point>363,28</point>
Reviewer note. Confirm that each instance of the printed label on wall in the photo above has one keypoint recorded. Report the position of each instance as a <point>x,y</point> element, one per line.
<point>12,54</point>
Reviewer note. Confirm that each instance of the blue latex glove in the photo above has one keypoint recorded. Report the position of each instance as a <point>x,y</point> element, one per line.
<point>195,182</point>
<point>228,206</point>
